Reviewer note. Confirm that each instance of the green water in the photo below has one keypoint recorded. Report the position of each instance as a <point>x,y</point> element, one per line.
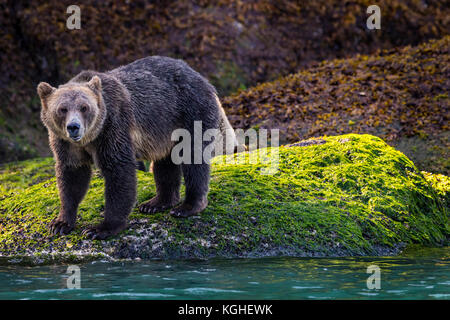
<point>423,274</point>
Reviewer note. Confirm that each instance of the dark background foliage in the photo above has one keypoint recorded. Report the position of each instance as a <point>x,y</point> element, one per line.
<point>235,44</point>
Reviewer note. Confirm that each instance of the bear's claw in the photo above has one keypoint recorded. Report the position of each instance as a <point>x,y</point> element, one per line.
<point>155,205</point>
<point>102,231</point>
<point>146,208</point>
<point>60,227</point>
<point>94,234</point>
<point>186,210</point>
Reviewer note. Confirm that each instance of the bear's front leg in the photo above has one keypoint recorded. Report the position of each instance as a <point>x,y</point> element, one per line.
<point>73,183</point>
<point>120,197</point>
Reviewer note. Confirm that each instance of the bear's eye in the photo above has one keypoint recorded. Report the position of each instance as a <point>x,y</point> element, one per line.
<point>83,109</point>
<point>63,110</point>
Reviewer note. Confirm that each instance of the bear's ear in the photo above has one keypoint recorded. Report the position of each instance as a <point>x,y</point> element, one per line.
<point>95,84</point>
<point>44,90</point>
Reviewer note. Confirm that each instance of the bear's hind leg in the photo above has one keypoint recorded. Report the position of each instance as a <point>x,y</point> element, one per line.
<point>196,179</point>
<point>167,179</point>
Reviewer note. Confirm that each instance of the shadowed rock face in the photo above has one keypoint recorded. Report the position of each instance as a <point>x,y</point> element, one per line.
<point>342,195</point>
<point>400,95</point>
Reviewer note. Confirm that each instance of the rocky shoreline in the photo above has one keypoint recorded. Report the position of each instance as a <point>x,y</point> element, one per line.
<point>350,195</point>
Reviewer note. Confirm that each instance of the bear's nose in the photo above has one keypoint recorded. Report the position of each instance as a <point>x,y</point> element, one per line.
<point>73,129</point>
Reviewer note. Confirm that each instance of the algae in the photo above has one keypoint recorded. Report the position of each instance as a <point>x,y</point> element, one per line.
<point>344,195</point>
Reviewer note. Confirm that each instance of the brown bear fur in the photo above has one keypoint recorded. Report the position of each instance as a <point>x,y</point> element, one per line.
<point>109,118</point>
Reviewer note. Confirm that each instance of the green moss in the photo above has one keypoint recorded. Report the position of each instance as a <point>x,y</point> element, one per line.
<point>441,184</point>
<point>352,195</point>
<point>18,176</point>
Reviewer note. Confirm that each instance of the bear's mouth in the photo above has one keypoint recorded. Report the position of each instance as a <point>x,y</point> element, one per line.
<point>76,138</point>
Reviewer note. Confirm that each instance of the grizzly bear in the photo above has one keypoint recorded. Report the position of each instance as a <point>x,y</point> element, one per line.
<point>112,119</point>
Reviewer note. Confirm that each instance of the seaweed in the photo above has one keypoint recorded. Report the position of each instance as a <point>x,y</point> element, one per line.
<point>352,195</point>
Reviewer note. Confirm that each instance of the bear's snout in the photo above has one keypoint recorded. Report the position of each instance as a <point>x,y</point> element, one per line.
<point>73,129</point>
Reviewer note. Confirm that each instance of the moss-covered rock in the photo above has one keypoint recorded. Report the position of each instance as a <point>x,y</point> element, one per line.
<point>342,195</point>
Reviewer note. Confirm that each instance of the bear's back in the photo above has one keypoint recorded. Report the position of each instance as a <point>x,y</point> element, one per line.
<point>161,71</point>
<point>166,86</point>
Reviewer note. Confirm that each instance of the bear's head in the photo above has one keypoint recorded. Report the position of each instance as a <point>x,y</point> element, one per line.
<point>74,111</point>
